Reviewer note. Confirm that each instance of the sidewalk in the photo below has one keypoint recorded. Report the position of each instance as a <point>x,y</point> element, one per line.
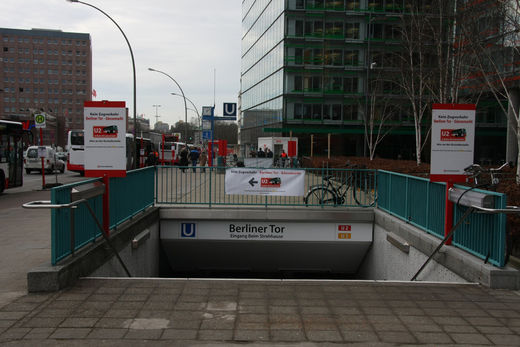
<point>226,312</point>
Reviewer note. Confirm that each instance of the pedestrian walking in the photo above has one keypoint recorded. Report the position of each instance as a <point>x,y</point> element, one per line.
<point>194,157</point>
<point>203,160</point>
<point>184,158</point>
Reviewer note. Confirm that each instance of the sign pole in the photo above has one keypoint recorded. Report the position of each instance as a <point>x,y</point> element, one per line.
<point>106,205</point>
<point>43,160</point>
<point>448,213</point>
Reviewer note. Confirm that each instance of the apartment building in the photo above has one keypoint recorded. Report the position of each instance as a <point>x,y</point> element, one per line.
<point>46,71</point>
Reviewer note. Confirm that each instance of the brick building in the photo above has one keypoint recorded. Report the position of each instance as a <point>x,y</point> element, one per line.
<point>46,71</point>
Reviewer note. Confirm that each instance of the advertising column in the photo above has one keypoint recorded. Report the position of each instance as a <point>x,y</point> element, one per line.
<point>105,138</point>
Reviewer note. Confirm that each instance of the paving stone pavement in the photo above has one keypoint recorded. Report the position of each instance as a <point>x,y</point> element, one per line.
<point>188,312</point>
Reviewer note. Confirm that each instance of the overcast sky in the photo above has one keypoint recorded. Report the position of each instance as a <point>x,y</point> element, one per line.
<point>186,39</point>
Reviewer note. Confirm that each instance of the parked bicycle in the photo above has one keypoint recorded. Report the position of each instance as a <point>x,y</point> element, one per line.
<point>475,170</point>
<point>335,189</point>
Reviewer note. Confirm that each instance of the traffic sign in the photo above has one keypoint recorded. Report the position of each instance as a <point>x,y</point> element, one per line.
<point>39,120</point>
<point>230,110</point>
<point>207,111</point>
<point>206,134</point>
<point>225,118</point>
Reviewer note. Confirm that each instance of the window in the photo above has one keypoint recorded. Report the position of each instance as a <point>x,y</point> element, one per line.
<point>312,83</point>
<point>351,58</point>
<point>298,83</point>
<point>350,112</point>
<point>316,112</point>
<point>334,29</point>
<point>350,84</point>
<point>333,57</point>
<point>352,31</point>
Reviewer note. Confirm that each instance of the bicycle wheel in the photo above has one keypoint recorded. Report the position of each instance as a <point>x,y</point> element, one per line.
<point>320,196</point>
<point>364,195</point>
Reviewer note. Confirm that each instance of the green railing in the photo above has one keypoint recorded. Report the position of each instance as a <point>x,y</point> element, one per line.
<point>483,235</point>
<point>128,196</point>
<point>63,243</point>
<point>175,187</point>
<point>131,194</point>
<point>422,203</point>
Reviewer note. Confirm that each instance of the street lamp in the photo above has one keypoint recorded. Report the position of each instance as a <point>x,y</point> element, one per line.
<point>133,66</point>
<point>185,105</point>
<point>192,104</point>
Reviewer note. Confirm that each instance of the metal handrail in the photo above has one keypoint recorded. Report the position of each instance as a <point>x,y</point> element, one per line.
<point>73,205</point>
<point>471,209</point>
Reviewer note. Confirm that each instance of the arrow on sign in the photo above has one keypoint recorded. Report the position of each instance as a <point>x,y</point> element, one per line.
<point>252,182</point>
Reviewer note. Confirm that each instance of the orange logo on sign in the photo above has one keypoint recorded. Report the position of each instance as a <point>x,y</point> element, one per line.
<point>344,236</point>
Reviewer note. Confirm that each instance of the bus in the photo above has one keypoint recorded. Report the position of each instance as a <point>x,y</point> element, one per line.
<point>76,151</point>
<point>13,138</point>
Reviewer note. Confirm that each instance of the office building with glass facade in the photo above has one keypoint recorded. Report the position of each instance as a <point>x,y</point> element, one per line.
<point>305,67</point>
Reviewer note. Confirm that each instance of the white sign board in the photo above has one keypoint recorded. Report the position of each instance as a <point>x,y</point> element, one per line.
<point>265,182</point>
<point>42,152</point>
<point>266,231</point>
<point>105,138</point>
<point>453,138</point>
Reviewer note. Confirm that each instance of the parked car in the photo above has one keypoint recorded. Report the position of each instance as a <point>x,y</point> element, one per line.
<point>62,156</point>
<point>51,163</point>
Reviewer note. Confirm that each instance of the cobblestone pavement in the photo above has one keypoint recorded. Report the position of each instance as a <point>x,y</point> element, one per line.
<point>283,313</point>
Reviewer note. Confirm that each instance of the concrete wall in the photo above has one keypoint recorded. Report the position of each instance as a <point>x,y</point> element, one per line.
<point>140,257</point>
<point>388,258</point>
<point>392,258</point>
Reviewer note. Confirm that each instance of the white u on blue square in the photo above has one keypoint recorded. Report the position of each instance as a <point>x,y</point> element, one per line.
<point>188,230</point>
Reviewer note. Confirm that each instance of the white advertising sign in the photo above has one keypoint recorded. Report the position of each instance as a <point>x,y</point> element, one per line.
<point>265,182</point>
<point>453,138</point>
<point>105,139</point>
<point>266,231</point>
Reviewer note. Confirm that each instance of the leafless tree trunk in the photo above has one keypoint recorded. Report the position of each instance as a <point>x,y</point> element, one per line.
<point>491,34</point>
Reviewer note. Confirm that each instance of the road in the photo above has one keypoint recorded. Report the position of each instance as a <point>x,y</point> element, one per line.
<point>26,238</point>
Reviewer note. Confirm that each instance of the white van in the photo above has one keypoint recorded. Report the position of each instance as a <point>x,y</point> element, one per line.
<point>33,161</point>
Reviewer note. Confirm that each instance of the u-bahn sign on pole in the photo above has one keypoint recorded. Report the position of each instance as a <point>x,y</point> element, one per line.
<point>105,138</point>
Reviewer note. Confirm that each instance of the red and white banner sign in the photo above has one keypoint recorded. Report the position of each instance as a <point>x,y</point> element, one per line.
<point>276,182</point>
<point>453,138</point>
<point>105,138</point>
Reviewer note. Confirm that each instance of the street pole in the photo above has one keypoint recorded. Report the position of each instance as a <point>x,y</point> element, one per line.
<point>133,68</point>
<point>185,104</point>
<point>194,107</point>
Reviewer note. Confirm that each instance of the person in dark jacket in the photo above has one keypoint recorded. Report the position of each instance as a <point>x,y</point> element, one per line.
<point>194,157</point>
<point>184,158</point>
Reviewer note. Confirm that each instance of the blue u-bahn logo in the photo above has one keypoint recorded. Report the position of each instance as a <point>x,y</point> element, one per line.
<point>188,230</point>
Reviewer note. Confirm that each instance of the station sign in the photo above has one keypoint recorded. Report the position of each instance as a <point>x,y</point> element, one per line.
<point>453,138</point>
<point>272,182</point>
<point>105,138</point>
<point>241,230</point>
<point>230,111</point>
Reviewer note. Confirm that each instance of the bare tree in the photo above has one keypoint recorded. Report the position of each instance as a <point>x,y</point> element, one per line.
<point>491,34</point>
<point>429,62</point>
<point>380,110</point>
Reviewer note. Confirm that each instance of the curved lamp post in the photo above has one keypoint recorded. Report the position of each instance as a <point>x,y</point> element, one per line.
<point>133,66</point>
<point>192,104</point>
<point>185,105</point>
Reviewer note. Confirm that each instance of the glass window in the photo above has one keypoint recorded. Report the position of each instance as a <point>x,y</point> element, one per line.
<point>350,85</point>
<point>352,31</point>
<point>336,112</point>
<point>350,112</point>
<point>316,112</point>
